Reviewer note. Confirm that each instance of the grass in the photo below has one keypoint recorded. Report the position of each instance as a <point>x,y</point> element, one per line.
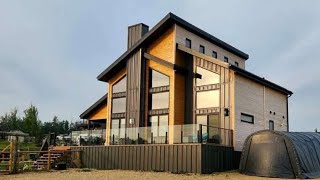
<point>23,146</point>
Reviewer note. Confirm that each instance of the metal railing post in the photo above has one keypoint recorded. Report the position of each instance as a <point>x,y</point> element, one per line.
<point>166,140</point>
<point>151,137</point>
<point>200,133</point>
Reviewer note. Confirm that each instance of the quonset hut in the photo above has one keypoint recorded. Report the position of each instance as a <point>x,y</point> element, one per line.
<point>281,154</point>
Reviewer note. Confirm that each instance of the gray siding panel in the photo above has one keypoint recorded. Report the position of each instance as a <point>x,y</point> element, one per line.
<point>179,158</point>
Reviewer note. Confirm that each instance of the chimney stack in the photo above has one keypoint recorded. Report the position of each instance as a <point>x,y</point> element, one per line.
<point>135,32</point>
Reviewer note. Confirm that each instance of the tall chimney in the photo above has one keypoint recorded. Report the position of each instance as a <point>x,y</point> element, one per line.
<point>135,32</point>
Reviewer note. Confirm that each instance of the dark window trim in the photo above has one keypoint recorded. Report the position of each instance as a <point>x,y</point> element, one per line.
<point>204,49</point>
<point>249,116</point>
<point>216,54</point>
<point>155,112</point>
<point>159,89</point>
<point>188,40</point>
<point>236,63</point>
<point>226,59</point>
<point>207,111</point>
<point>208,87</point>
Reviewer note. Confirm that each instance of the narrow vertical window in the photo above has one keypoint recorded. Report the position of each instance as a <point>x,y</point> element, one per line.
<point>271,125</point>
<point>214,54</point>
<point>202,49</point>
<point>226,59</point>
<point>188,43</point>
<point>236,64</point>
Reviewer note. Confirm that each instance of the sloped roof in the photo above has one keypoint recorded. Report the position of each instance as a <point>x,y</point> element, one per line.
<point>158,30</point>
<point>87,113</point>
<point>260,80</point>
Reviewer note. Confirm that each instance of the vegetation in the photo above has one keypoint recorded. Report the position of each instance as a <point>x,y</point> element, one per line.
<point>31,124</point>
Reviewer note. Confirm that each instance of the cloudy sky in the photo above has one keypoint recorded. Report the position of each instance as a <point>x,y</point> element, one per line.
<point>52,51</point>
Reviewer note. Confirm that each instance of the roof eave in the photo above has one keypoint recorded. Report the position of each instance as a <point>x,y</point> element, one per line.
<point>93,107</point>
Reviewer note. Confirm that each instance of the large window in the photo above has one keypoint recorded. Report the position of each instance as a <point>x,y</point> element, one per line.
<point>158,79</point>
<point>160,100</point>
<point>120,86</point>
<point>210,127</point>
<point>159,128</point>
<point>207,77</point>
<point>214,54</point>
<point>247,118</point>
<point>118,130</point>
<point>118,105</point>
<point>208,99</point>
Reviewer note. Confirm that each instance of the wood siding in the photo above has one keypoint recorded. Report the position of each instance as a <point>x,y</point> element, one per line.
<point>184,158</point>
<point>100,113</point>
<point>257,100</point>
<point>164,46</point>
<point>135,87</point>
<point>196,41</point>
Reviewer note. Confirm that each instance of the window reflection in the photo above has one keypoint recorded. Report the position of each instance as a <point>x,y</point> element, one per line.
<point>207,77</point>
<point>208,99</point>
<point>159,79</point>
<point>159,128</point>
<point>160,100</point>
<point>118,105</point>
<point>120,86</point>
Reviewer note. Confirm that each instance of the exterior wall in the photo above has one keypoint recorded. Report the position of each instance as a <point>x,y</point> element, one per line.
<point>182,34</point>
<point>257,100</point>
<point>100,113</point>
<point>111,82</point>
<point>164,47</point>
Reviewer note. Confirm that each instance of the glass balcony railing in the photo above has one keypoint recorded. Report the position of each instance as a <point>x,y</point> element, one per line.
<point>187,133</point>
<point>88,137</point>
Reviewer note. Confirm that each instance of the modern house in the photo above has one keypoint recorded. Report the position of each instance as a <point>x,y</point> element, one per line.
<point>177,84</point>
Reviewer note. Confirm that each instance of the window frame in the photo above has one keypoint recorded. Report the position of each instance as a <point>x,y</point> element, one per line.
<point>188,41</point>
<point>236,63</point>
<point>204,49</point>
<point>248,115</point>
<point>272,122</point>
<point>226,59</point>
<point>215,53</point>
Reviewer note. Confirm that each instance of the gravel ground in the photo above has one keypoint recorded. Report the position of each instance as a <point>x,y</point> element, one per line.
<point>76,174</point>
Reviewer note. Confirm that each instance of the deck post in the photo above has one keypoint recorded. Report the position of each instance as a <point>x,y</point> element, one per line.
<point>200,133</point>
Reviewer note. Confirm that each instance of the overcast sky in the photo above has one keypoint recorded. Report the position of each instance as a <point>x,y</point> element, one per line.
<point>52,51</point>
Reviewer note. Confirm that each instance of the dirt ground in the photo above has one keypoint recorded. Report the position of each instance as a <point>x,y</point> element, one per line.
<point>77,174</point>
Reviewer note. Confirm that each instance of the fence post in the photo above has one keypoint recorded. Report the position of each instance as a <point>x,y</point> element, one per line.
<point>49,160</point>
<point>11,155</point>
<point>15,155</point>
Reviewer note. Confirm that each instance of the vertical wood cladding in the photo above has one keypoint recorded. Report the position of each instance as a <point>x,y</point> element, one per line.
<point>135,32</point>
<point>100,113</point>
<point>177,158</point>
<point>135,89</point>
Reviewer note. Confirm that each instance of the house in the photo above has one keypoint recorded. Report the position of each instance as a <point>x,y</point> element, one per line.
<point>177,84</point>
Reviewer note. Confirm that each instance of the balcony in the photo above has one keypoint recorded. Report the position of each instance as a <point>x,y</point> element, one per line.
<point>182,134</point>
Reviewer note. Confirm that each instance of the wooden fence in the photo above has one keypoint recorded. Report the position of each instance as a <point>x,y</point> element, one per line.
<point>176,158</point>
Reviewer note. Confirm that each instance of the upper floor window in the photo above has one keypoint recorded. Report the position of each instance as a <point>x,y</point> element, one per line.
<point>208,99</point>
<point>214,54</point>
<point>158,79</point>
<point>236,64</point>
<point>188,43</point>
<point>226,59</point>
<point>247,118</point>
<point>207,77</point>
<point>202,49</point>
<point>119,105</point>
<point>160,100</point>
<point>271,125</point>
<point>120,86</point>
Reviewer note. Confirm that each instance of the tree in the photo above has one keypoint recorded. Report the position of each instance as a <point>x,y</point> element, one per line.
<point>31,122</point>
<point>10,121</point>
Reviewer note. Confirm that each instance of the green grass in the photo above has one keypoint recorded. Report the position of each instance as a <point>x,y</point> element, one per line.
<point>23,146</point>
